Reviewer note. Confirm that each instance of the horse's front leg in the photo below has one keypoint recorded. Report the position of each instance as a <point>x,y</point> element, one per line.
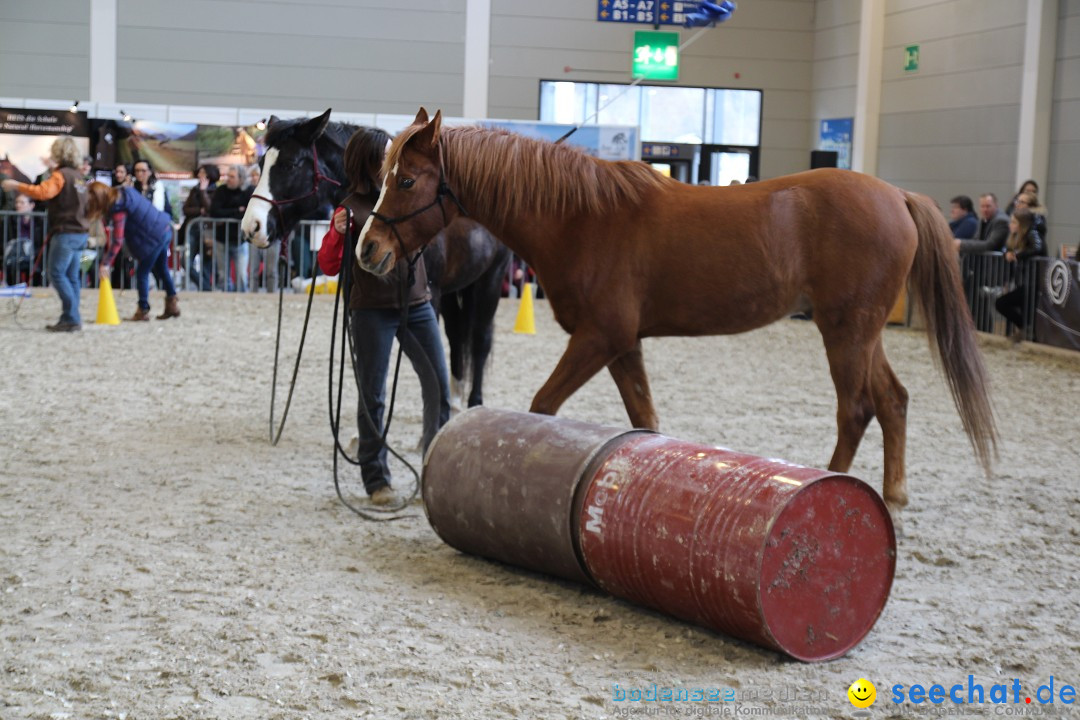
<point>628,370</point>
<point>586,354</point>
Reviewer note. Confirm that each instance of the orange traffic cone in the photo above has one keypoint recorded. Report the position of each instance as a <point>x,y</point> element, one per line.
<point>106,307</point>
<point>525,323</point>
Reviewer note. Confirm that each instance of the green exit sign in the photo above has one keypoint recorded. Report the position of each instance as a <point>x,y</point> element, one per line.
<point>911,58</point>
<point>656,55</point>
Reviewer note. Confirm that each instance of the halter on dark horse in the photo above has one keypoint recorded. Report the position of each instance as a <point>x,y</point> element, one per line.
<point>465,263</point>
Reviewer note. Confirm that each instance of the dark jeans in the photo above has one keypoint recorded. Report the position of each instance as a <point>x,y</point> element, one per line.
<point>374,332</point>
<point>1011,305</point>
<point>160,267</point>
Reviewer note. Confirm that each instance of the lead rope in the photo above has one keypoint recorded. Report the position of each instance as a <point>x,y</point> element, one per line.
<point>275,438</point>
<point>374,514</point>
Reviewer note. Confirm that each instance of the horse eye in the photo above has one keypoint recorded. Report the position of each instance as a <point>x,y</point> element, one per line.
<point>405,183</point>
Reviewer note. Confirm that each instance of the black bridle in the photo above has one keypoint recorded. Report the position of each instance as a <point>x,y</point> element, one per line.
<point>442,192</point>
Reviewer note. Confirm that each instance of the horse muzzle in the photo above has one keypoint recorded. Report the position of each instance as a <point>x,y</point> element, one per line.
<point>258,239</point>
<point>365,255</point>
<point>252,230</point>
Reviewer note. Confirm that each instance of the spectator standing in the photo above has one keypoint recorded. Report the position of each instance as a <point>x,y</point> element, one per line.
<point>87,169</point>
<point>1028,186</point>
<point>963,221</point>
<point>146,182</point>
<point>146,232</point>
<point>229,203</point>
<point>1024,243</point>
<point>375,314</point>
<point>993,228</point>
<point>122,176</point>
<point>196,207</point>
<point>266,257</point>
<point>66,193</point>
<point>1038,212</point>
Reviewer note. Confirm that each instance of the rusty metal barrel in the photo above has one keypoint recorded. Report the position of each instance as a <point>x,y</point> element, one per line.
<point>788,557</point>
<point>501,485</point>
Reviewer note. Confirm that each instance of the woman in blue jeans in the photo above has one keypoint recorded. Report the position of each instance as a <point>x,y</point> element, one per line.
<point>65,191</point>
<point>147,232</point>
<point>375,315</point>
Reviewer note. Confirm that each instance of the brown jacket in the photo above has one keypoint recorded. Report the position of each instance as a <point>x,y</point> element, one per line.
<point>65,190</point>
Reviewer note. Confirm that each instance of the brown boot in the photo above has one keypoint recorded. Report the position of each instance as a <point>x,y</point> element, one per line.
<point>140,315</point>
<point>172,308</point>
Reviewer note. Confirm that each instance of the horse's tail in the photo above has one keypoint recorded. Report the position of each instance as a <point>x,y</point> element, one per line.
<point>935,282</point>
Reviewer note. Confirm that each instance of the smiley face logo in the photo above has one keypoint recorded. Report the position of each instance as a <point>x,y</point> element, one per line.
<point>862,693</point>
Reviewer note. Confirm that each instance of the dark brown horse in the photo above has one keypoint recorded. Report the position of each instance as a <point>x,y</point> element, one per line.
<point>624,253</point>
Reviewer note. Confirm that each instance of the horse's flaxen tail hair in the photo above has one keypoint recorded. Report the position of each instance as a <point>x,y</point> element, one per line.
<point>935,282</point>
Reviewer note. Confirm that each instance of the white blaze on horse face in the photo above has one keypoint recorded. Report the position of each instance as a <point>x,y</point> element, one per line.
<point>258,209</point>
<point>371,218</point>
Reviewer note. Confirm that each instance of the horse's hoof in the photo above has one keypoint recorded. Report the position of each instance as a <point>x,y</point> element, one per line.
<point>897,521</point>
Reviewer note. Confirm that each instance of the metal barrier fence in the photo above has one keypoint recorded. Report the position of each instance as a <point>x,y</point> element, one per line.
<point>23,241</point>
<point>214,258</point>
<point>989,277</point>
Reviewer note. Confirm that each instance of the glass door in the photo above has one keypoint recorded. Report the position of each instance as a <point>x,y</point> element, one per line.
<point>727,164</point>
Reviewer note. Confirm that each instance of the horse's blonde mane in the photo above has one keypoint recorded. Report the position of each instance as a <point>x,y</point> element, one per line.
<point>506,176</point>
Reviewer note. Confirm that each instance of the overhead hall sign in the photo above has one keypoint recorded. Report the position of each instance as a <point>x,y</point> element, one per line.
<point>649,12</point>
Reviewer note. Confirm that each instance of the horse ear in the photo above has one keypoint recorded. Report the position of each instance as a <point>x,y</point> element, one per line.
<point>421,117</point>
<point>273,119</point>
<point>428,138</point>
<point>311,130</point>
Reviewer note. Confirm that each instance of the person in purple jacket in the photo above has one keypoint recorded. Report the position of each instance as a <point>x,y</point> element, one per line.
<point>147,232</point>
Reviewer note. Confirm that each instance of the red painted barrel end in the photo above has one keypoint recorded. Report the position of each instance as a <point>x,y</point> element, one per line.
<point>792,558</point>
<point>827,569</point>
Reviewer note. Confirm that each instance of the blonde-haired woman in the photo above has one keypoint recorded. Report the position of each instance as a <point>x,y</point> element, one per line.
<point>65,190</point>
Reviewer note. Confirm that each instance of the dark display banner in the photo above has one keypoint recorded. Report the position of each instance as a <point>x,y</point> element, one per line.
<point>26,138</point>
<point>1057,316</point>
<point>43,122</point>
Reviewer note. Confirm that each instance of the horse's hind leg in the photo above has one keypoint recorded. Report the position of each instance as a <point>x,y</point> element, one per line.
<point>628,370</point>
<point>849,364</point>
<point>890,401</point>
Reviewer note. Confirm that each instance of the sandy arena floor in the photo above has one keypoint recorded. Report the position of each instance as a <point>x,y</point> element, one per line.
<point>159,559</point>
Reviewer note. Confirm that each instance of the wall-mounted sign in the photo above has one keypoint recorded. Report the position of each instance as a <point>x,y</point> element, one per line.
<point>650,12</point>
<point>656,55</point>
<point>911,59</point>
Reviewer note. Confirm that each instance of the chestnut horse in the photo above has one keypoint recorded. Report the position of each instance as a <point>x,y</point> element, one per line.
<point>624,253</point>
<point>465,263</point>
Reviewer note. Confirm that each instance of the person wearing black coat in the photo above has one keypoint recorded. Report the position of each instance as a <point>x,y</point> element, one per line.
<point>993,228</point>
<point>229,202</point>
<point>1024,244</point>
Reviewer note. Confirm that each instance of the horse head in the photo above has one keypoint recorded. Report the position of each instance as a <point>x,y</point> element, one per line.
<point>301,172</point>
<point>414,185</point>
